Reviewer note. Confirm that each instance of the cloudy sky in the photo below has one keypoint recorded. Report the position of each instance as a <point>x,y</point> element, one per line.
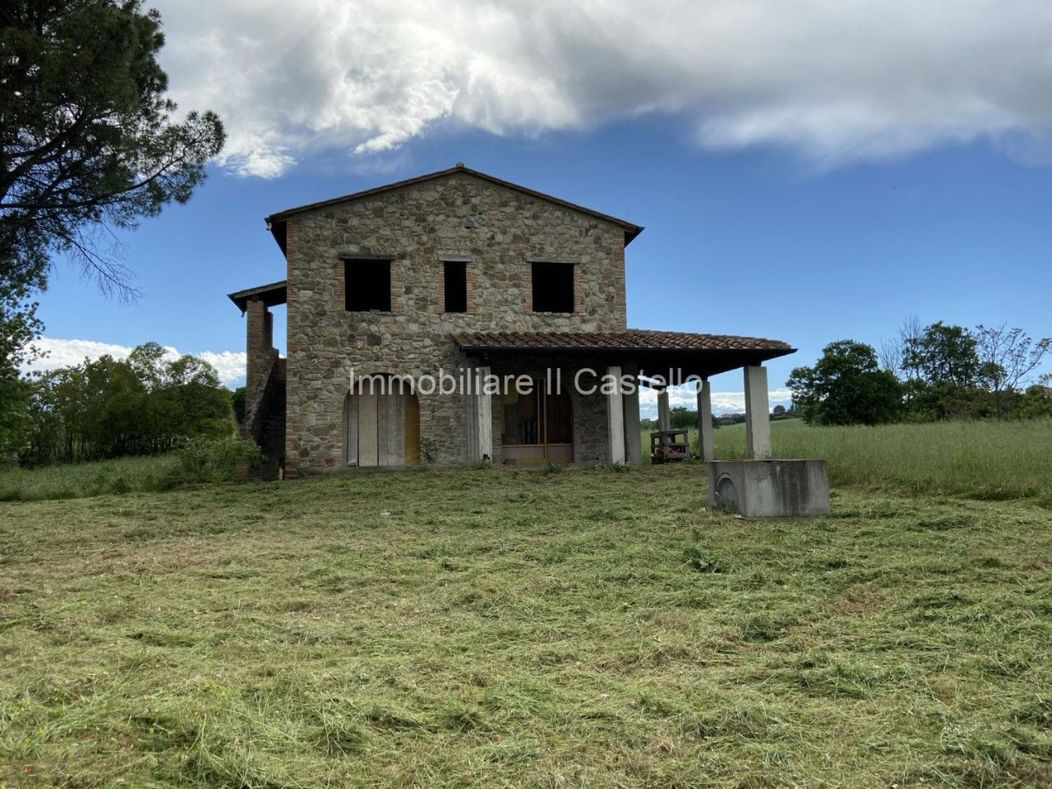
<point>807,170</point>
<point>57,353</point>
<point>835,82</point>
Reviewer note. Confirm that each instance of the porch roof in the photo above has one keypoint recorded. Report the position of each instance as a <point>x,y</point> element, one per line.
<point>694,354</point>
<point>271,295</point>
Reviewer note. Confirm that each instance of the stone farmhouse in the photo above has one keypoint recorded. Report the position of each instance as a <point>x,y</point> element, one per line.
<point>461,273</point>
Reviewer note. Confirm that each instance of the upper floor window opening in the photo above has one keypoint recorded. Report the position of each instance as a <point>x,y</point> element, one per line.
<point>455,285</point>
<point>367,285</point>
<point>553,287</point>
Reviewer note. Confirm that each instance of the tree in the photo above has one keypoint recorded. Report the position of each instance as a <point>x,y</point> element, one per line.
<point>1037,399</point>
<point>951,371</point>
<point>18,327</point>
<point>941,367</point>
<point>1006,358</point>
<point>681,417</point>
<point>87,141</point>
<point>846,386</point>
<point>943,354</point>
<point>87,144</point>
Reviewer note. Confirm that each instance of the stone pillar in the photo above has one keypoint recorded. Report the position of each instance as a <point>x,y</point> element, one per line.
<point>663,411</point>
<point>633,450</point>
<point>705,447</point>
<point>483,418</point>
<point>615,417</point>
<point>757,414</point>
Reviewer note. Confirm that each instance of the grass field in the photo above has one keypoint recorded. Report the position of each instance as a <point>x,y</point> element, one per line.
<point>75,480</point>
<point>594,627</point>
<point>985,460</point>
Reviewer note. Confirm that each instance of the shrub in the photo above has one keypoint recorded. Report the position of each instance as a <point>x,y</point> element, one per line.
<point>215,459</point>
<point>428,450</point>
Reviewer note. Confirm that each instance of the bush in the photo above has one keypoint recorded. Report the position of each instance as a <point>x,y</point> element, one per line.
<point>237,402</point>
<point>215,459</point>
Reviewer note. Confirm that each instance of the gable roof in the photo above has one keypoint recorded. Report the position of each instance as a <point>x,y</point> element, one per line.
<point>276,222</point>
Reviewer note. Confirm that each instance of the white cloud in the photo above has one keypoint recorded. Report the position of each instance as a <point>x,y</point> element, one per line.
<point>230,365</point>
<point>722,402</point>
<point>835,81</point>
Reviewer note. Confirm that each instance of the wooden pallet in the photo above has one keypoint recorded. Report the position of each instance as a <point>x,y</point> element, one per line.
<point>668,446</point>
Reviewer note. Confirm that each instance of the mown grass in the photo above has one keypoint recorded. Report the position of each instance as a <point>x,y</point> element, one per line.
<point>983,460</point>
<point>504,628</point>
<point>76,480</point>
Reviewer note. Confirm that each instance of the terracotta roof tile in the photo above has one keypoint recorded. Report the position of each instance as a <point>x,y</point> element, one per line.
<point>629,340</point>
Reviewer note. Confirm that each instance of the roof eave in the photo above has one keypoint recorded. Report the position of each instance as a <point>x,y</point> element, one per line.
<point>271,294</point>
<point>679,363</point>
<point>606,349</point>
<point>277,228</point>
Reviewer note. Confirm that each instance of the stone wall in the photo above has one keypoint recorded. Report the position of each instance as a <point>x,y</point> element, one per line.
<point>499,231</point>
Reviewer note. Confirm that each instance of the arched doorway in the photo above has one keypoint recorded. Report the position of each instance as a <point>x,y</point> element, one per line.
<point>381,422</point>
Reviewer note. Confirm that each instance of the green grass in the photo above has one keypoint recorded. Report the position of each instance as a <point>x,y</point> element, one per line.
<point>590,627</point>
<point>76,480</point>
<point>984,460</point>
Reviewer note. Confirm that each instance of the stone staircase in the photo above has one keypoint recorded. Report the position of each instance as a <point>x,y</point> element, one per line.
<point>272,439</point>
<point>265,417</point>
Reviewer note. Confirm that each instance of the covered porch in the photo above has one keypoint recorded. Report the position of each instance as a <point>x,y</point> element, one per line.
<point>578,414</point>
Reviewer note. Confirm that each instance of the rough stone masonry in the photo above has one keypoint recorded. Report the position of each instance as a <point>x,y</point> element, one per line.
<point>498,232</point>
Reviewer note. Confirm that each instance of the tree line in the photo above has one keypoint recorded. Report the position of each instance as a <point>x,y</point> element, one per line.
<point>106,408</point>
<point>926,373</point>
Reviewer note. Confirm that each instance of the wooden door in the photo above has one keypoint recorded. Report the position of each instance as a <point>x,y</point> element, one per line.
<point>538,427</point>
<point>381,428</point>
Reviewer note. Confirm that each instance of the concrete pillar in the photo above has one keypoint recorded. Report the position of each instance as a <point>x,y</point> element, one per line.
<point>615,417</point>
<point>664,417</point>
<point>633,448</point>
<point>757,414</point>
<point>484,418</point>
<point>705,447</point>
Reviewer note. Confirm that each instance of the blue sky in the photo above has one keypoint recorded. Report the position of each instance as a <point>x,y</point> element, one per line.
<point>754,242</point>
<point>772,207</point>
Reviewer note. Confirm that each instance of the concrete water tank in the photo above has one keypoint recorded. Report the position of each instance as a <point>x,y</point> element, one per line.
<point>769,488</point>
